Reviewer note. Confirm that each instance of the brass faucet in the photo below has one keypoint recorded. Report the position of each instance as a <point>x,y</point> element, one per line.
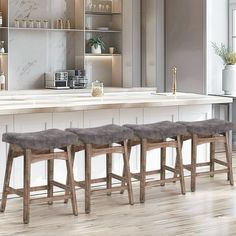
<point>174,82</point>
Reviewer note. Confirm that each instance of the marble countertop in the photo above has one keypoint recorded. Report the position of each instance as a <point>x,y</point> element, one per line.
<point>41,101</point>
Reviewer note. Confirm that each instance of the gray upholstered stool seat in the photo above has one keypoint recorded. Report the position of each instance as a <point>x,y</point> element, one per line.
<point>43,140</point>
<point>208,127</point>
<point>160,130</point>
<point>107,134</point>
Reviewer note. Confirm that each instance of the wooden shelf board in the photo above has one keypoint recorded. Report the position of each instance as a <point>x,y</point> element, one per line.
<point>101,55</point>
<point>102,13</point>
<point>102,31</point>
<point>44,29</point>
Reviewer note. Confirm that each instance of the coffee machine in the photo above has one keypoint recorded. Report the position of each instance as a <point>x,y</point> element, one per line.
<point>77,79</point>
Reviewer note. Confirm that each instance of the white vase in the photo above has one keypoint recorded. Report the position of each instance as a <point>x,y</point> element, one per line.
<point>229,79</point>
<point>97,50</point>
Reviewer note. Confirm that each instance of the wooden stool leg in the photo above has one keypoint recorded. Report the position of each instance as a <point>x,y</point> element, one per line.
<point>7,179</point>
<point>180,165</point>
<point>50,179</point>
<point>143,170</point>
<point>163,165</point>
<point>193,162</point>
<point>109,172</point>
<point>212,158</point>
<point>129,147</point>
<point>127,174</point>
<point>229,159</point>
<point>176,160</point>
<point>88,156</point>
<point>26,191</point>
<point>67,179</point>
<point>71,181</point>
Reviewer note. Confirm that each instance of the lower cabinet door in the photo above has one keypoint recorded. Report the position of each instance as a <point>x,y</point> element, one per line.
<point>31,123</point>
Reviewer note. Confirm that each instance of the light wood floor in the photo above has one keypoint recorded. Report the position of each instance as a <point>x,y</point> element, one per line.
<point>209,211</point>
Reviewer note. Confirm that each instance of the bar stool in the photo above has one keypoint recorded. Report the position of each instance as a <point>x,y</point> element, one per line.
<point>36,147</point>
<point>154,136</point>
<point>203,132</point>
<point>99,141</point>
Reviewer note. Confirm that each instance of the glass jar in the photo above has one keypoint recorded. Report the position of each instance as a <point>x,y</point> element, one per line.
<point>24,23</point>
<point>45,24</point>
<point>38,24</point>
<point>97,89</point>
<point>31,24</point>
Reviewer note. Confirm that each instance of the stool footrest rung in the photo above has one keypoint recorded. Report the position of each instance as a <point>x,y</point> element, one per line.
<point>50,199</point>
<point>188,167</point>
<point>212,172</point>
<point>120,178</point>
<point>19,191</point>
<point>81,184</point>
<point>113,189</point>
<point>168,168</point>
<point>147,173</point>
<point>220,162</point>
<point>158,182</point>
<point>60,185</point>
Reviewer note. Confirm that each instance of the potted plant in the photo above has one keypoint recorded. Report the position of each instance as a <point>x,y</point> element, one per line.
<point>96,45</point>
<point>229,72</point>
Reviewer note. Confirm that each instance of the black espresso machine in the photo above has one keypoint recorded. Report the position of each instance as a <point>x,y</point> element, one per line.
<point>77,79</point>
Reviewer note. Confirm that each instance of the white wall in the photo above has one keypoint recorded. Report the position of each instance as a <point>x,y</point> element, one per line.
<point>217,31</point>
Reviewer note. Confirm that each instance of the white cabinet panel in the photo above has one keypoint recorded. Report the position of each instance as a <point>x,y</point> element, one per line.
<point>69,120</point>
<point>152,115</point>
<point>6,125</point>
<point>132,116</point>
<point>31,123</point>
<point>95,118</point>
<point>195,113</point>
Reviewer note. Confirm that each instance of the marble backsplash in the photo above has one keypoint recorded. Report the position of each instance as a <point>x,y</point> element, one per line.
<point>40,51</point>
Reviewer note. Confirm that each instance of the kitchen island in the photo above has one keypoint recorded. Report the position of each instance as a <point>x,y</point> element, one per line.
<point>26,111</point>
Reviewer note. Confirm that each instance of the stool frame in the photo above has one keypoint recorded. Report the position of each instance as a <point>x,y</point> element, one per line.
<point>92,151</point>
<point>30,157</point>
<point>212,139</point>
<point>148,145</point>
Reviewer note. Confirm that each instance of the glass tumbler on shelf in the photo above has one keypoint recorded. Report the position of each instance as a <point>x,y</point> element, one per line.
<point>17,23</point>
<point>97,89</point>
<point>31,24</point>
<point>45,24</point>
<point>24,23</point>
<point>38,24</point>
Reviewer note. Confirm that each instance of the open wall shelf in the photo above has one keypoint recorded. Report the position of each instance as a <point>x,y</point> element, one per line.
<point>30,52</point>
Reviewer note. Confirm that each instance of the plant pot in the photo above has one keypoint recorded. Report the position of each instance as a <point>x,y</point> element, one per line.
<point>229,79</point>
<point>97,50</point>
